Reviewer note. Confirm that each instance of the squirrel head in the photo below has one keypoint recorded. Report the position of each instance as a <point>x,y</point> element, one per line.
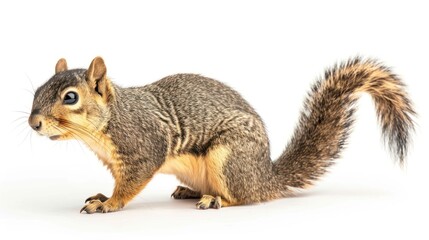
<point>73,103</point>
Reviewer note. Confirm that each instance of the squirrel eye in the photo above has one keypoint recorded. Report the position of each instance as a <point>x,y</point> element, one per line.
<point>70,98</point>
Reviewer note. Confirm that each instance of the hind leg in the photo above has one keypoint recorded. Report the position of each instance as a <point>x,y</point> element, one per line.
<point>247,170</point>
<point>214,192</point>
<point>236,179</point>
<point>239,171</point>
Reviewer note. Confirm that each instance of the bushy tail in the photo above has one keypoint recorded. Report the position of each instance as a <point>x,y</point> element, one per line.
<point>327,117</point>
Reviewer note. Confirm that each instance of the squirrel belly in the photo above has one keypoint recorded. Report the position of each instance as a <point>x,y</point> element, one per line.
<point>207,135</point>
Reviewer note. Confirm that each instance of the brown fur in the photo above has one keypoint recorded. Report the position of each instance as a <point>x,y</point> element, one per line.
<point>207,135</point>
<point>329,115</point>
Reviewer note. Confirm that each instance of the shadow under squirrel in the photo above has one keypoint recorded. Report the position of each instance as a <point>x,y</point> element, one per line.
<point>207,135</point>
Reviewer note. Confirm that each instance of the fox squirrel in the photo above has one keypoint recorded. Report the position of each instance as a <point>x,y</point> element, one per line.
<point>207,135</point>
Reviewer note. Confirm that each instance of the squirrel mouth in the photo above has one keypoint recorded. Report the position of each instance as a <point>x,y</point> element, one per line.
<point>55,137</point>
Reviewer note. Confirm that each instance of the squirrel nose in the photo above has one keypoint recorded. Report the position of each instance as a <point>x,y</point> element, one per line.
<point>35,122</point>
<point>38,126</point>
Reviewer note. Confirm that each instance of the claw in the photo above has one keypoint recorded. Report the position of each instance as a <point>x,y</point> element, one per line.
<point>86,210</point>
<point>217,202</point>
<point>208,201</point>
<point>92,206</point>
<point>83,209</point>
<point>99,196</point>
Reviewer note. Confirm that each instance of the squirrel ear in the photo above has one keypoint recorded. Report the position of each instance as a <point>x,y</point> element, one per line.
<point>61,66</point>
<point>97,69</point>
<point>97,80</point>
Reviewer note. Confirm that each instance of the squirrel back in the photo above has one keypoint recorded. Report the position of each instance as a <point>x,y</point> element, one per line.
<point>207,135</point>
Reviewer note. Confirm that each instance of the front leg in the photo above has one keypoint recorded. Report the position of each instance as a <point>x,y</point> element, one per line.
<point>135,157</point>
<point>127,185</point>
<point>124,191</point>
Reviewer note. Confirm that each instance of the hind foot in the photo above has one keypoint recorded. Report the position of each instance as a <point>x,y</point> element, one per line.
<point>208,201</point>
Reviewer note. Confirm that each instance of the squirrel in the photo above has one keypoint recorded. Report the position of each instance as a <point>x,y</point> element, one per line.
<point>207,135</point>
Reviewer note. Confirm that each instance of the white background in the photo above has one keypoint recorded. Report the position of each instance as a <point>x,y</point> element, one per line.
<point>271,52</point>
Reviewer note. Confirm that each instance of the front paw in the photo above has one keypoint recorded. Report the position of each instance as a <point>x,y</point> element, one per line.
<point>96,205</point>
<point>185,193</point>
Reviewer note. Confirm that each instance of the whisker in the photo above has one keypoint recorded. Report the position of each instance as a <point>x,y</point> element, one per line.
<point>92,123</point>
<point>79,143</point>
<point>71,131</point>
<point>31,84</point>
<point>79,137</point>
<point>78,130</point>
<point>22,130</point>
<point>29,132</point>
<point>31,141</point>
<point>32,93</point>
<point>75,136</point>
<point>63,132</point>
<point>22,119</point>
<point>18,123</point>
<point>59,129</point>
<point>27,113</point>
